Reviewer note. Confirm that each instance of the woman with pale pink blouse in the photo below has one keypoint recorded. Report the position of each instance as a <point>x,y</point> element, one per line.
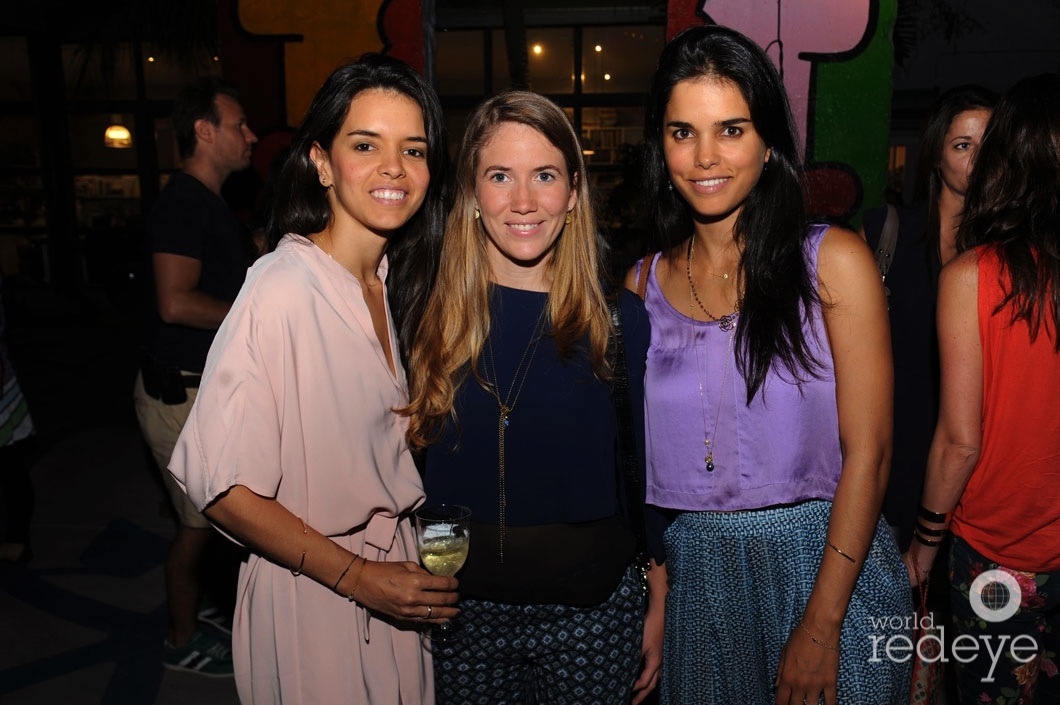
<point>293,448</point>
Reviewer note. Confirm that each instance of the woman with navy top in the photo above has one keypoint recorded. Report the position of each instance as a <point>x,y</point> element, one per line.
<point>511,397</point>
<point>768,402</point>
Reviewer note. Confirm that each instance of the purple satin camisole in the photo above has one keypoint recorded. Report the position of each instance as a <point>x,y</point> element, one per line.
<point>781,448</point>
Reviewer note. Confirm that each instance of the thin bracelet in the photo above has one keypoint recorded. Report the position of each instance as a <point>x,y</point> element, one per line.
<point>815,639</point>
<point>298,571</point>
<point>836,549</point>
<point>357,582</point>
<point>931,516</point>
<point>344,571</point>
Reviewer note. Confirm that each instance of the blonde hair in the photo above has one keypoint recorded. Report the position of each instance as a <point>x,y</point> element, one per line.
<point>456,323</point>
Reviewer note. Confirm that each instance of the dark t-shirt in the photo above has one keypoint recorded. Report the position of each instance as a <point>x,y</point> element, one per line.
<point>189,219</point>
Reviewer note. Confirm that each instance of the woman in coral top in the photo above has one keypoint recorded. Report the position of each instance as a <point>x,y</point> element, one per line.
<point>994,469</point>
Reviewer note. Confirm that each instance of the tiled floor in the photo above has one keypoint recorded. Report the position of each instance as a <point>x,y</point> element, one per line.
<point>83,622</point>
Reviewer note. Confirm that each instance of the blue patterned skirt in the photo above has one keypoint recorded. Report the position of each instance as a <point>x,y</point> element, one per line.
<point>739,582</point>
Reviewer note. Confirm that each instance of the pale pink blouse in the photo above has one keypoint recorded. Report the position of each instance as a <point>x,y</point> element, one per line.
<point>297,403</point>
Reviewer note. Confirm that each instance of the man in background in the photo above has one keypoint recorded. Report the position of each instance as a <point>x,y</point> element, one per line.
<point>199,253</point>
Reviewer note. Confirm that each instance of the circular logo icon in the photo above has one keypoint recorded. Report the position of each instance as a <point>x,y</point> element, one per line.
<point>995,595</point>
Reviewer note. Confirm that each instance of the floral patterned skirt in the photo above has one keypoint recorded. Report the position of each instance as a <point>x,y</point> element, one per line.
<point>1013,620</point>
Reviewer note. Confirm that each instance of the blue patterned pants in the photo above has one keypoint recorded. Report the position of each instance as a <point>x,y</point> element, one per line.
<point>501,654</point>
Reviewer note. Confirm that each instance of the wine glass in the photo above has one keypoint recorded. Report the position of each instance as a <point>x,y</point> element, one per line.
<point>442,535</point>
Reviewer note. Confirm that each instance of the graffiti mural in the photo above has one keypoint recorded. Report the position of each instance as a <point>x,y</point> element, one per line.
<point>835,57</point>
<point>319,36</point>
<point>278,52</point>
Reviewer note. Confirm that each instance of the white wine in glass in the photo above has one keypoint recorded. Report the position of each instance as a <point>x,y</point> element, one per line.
<point>442,535</point>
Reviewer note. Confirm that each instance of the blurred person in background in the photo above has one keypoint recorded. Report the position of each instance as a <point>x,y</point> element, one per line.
<point>993,474</point>
<point>926,239</point>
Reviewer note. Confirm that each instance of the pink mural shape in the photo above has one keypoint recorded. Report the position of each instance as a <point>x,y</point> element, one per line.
<point>795,33</point>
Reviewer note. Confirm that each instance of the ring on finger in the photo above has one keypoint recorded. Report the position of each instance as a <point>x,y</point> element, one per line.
<point>430,608</point>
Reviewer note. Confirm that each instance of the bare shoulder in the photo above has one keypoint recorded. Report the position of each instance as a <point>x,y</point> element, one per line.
<point>845,264</point>
<point>841,243</point>
<point>962,270</point>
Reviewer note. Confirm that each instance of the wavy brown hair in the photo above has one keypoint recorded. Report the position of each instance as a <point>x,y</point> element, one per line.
<point>1013,201</point>
<point>456,323</point>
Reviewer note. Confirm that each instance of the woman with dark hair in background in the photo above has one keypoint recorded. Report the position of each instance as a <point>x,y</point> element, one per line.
<point>993,474</point>
<point>293,447</point>
<point>768,401</point>
<point>926,239</point>
<point>512,399</point>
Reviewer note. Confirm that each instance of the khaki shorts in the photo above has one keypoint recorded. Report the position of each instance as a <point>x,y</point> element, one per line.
<point>160,425</point>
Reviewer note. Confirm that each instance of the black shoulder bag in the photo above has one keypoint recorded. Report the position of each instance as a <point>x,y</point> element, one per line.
<point>628,472</point>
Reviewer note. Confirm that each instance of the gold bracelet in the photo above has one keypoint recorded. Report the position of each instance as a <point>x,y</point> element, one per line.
<point>836,549</point>
<point>357,582</point>
<point>298,571</point>
<point>815,639</point>
<point>344,571</point>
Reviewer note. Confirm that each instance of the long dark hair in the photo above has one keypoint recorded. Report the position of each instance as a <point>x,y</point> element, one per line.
<point>943,111</point>
<point>303,206</point>
<point>771,227</point>
<point>1013,200</point>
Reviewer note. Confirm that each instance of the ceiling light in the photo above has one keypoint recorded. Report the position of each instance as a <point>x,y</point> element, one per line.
<point>117,135</point>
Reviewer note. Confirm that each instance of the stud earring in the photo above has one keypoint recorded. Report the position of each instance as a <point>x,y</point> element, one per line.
<point>670,186</point>
<point>478,214</point>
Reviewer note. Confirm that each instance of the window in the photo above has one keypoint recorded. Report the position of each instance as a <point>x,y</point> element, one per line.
<point>463,53</point>
<point>22,208</point>
<point>599,74</point>
<point>619,59</point>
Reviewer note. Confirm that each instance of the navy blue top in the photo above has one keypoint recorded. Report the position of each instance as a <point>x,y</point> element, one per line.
<point>560,443</point>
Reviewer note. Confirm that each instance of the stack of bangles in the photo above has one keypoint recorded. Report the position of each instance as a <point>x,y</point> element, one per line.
<point>926,535</point>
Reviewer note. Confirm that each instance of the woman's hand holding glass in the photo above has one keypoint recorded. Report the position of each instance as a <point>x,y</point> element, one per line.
<point>443,533</point>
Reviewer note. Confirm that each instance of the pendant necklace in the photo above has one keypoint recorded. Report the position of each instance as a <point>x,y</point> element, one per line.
<point>507,406</point>
<point>726,324</point>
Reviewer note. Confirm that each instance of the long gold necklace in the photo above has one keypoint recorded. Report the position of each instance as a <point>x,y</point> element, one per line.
<point>507,406</point>
<point>726,324</point>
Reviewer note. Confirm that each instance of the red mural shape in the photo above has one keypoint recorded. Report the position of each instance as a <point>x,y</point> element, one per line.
<point>401,29</point>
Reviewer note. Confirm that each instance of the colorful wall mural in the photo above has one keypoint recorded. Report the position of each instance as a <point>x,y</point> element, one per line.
<point>279,52</point>
<point>836,58</point>
<point>319,36</point>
